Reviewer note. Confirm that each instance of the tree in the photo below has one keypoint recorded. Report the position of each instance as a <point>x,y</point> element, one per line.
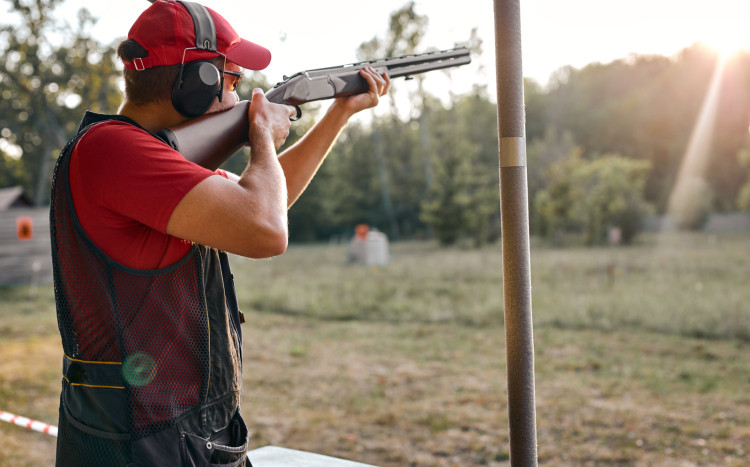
<point>406,28</point>
<point>447,205</point>
<point>463,201</point>
<point>349,182</point>
<point>608,193</point>
<point>45,86</point>
<point>646,107</point>
<point>554,203</point>
<point>593,196</point>
<point>541,152</point>
<point>12,172</point>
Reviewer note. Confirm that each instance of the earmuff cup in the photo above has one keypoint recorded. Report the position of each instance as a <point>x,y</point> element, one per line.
<point>195,89</point>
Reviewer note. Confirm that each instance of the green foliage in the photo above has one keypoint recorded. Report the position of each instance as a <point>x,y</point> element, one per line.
<point>554,203</point>
<point>49,73</point>
<point>406,28</point>
<point>463,198</point>
<point>743,198</point>
<point>12,172</point>
<point>373,175</point>
<point>593,197</point>
<point>646,107</point>
<point>448,204</point>
<point>541,153</point>
<point>609,194</point>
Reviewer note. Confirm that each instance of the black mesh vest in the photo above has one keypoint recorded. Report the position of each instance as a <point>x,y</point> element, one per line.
<point>152,367</point>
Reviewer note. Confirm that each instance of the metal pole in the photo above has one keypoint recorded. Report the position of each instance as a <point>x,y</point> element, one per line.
<point>514,207</point>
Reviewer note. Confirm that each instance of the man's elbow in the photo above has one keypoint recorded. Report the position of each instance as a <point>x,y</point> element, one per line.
<point>273,242</point>
<point>277,243</point>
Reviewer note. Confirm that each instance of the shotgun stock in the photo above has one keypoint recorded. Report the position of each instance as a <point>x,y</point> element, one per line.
<point>211,139</point>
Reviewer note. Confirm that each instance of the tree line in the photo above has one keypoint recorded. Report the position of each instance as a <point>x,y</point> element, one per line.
<point>604,143</point>
<point>604,146</point>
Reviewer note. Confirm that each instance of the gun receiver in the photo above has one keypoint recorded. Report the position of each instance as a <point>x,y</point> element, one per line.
<point>211,139</point>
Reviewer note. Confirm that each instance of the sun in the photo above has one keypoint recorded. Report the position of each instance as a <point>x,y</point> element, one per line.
<point>729,36</point>
<point>726,46</point>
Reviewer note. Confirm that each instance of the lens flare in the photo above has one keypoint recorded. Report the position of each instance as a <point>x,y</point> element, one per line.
<point>138,369</point>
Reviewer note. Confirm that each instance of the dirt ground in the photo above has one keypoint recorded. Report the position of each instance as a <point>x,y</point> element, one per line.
<point>434,395</point>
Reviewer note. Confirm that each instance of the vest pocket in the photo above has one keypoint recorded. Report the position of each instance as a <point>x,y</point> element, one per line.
<point>227,447</point>
<point>79,445</point>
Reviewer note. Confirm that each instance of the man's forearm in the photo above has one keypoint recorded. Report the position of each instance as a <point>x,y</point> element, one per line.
<point>301,161</point>
<point>264,177</point>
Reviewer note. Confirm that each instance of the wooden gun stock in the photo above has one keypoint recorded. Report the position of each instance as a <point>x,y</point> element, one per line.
<point>211,139</point>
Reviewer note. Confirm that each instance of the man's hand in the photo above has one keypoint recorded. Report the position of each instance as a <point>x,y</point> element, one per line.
<point>268,120</point>
<point>246,215</point>
<point>379,86</point>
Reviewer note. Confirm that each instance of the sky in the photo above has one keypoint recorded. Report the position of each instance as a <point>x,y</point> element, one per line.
<point>303,34</point>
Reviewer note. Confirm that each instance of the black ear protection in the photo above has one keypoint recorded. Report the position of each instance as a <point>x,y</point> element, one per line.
<point>199,82</point>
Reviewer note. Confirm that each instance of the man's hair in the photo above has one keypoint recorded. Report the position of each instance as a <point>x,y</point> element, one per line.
<point>152,84</point>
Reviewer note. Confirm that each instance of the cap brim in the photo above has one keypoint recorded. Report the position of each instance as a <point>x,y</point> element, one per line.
<point>249,55</point>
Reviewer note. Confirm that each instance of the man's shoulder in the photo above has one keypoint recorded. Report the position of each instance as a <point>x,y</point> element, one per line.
<point>117,139</point>
<point>114,132</point>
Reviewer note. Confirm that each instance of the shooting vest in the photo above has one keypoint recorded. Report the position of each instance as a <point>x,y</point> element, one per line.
<point>153,359</point>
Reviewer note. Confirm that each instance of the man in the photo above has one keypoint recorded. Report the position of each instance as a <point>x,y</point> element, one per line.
<point>146,307</point>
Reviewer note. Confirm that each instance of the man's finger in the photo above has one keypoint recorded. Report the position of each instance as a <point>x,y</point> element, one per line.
<point>375,78</point>
<point>387,84</point>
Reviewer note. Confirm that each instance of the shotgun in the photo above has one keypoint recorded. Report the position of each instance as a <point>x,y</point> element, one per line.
<point>211,139</point>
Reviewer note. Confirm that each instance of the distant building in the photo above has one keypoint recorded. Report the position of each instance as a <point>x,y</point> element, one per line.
<point>718,222</point>
<point>25,248</point>
<point>728,222</point>
<point>14,197</point>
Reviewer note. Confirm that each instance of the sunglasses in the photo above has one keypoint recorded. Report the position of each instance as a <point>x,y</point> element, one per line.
<point>237,78</point>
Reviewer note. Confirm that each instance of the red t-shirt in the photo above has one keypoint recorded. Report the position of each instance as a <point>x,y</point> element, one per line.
<point>125,184</point>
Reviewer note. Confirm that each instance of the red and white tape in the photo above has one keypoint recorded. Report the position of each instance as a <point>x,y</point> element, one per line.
<point>28,423</point>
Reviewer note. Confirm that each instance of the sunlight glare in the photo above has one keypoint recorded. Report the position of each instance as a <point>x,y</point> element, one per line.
<point>9,149</point>
<point>690,190</point>
<point>728,36</point>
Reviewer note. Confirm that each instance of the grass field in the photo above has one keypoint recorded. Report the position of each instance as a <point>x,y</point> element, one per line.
<point>641,355</point>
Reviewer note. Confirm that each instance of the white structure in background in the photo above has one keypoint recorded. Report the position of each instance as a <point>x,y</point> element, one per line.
<point>369,247</point>
<point>274,456</point>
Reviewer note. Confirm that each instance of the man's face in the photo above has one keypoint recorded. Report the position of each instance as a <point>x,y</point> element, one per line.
<point>229,94</point>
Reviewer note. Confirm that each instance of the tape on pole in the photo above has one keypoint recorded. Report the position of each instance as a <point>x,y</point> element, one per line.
<point>512,151</point>
<point>25,422</point>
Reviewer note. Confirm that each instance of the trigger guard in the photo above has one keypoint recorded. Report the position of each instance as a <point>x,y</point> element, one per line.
<point>298,115</point>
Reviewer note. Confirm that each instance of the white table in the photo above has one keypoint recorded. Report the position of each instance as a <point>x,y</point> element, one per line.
<point>274,456</point>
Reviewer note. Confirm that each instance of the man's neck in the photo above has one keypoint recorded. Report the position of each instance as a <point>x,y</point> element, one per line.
<point>153,117</point>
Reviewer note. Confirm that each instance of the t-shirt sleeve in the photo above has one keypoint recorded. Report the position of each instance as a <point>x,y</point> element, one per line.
<point>132,174</point>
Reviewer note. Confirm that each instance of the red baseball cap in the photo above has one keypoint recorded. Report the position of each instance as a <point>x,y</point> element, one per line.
<point>166,30</point>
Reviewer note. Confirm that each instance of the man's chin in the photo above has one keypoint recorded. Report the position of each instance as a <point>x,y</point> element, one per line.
<point>229,101</point>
